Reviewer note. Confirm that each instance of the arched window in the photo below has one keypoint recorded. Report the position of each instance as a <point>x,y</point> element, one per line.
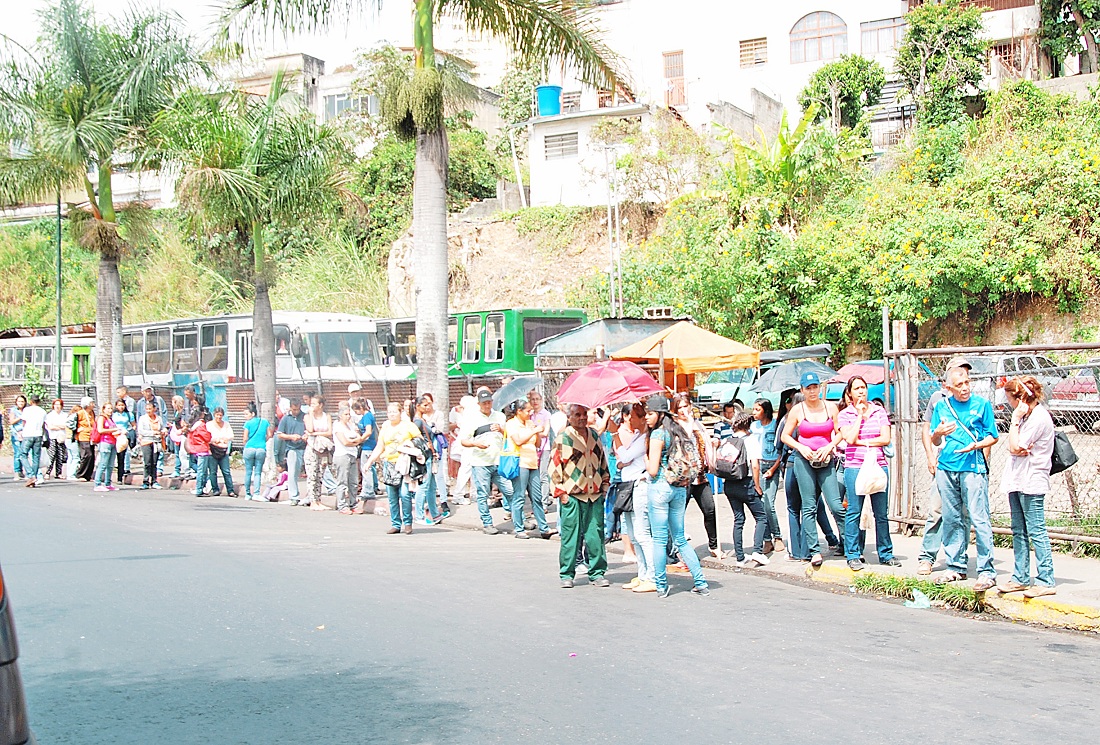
<point>819,36</point>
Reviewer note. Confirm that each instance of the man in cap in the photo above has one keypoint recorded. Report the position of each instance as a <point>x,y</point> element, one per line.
<point>353,394</point>
<point>483,437</point>
<point>963,425</point>
<point>579,477</point>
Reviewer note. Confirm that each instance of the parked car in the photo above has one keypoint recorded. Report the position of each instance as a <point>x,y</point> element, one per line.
<point>988,374</point>
<point>1076,400</point>
<point>872,371</point>
<point>14,723</point>
<point>734,386</point>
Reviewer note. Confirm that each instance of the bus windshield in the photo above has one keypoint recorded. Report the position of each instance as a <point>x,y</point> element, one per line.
<point>344,348</point>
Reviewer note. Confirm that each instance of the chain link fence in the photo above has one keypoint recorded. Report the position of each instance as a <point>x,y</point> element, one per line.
<point>1070,376</point>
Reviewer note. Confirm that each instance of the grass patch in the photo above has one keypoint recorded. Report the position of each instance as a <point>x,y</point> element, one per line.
<point>951,595</point>
<point>554,228</point>
<point>1089,525</point>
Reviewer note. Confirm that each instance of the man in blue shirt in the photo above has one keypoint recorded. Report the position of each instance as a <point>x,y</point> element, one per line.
<point>963,425</point>
<point>368,425</point>
<point>292,432</point>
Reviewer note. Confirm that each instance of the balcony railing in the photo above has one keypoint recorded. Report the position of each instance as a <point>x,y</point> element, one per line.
<point>987,4</point>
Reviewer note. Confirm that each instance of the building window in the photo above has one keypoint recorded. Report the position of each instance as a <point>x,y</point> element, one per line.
<point>571,102</point>
<point>605,99</point>
<point>215,346</point>
<point>133,353</point>
<point>880,37</point>
<point>158,350</point>
<point>675,88</point>
<point>819,37</point>
<point>754,52</point>
<point>560,147</point>
<point>339,104</point>
<point>1010,53</point>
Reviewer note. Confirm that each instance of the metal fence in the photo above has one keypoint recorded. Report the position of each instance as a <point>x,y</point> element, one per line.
<point>1070,375</point>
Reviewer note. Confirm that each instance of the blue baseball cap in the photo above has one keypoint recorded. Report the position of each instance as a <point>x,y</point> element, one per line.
<point>808,379</point>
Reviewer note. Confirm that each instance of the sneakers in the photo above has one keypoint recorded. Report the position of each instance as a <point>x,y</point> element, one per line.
<point>522,536</point>
<point>924,568</point>
<point>601,582</point>
<point>891,562</point>
<point>701,592</point>
<point>112,487</point>
<point>156,485</point>
<point>645,587</point>
<point>632,583</point>
<point>393,531</point>
<point>760,558</point>
<point>855,565</point>
<point>566,584</point>
<point>663,592</point>
<point>491,530</point>
<point>145,487</point>
<point>100,488</point>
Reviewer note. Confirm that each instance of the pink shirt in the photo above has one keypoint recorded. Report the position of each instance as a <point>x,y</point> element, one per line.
<point>873,426</point>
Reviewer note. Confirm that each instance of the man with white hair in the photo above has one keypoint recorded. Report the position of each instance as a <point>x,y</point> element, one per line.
<point>964,424</point>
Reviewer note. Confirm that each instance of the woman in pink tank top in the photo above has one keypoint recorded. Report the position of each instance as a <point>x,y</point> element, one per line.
<point>814,451</point>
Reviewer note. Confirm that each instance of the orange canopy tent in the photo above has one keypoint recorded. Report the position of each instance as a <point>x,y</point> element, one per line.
<point>686,349</point>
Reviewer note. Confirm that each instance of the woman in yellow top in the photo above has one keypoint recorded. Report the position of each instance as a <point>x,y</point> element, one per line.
<point>523,436</point>
<point>394,433</point>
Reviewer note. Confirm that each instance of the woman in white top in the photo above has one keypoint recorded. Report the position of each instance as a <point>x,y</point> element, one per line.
<point>345,459</point>
<point>1027,480</point>
<point>57,432</point>
<point>221,440</point>
<point>630,442</point>
<point>150,433</point>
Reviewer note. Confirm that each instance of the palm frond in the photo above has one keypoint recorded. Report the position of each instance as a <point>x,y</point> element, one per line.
<point>243,18</point>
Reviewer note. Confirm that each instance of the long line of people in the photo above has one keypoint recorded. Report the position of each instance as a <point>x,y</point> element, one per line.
<point>636,467</point>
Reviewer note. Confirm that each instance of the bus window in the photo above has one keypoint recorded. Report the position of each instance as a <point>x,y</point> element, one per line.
<point>494,337</point>
<point>133,353</point>
<point>343,348</point>
<point>452,340</point>
<point>158,351</point>
<point>471,339</point>
<point>14,363</point>
<point>43,360</point>
<point>537,329</point>
<point>215,346</point>
<point>284,362</point>
<point>405,335</point>
<point>185,351</point>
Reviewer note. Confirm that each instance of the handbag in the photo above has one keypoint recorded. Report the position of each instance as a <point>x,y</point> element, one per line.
<point>217,452</point>
<point>1063,456</point>
<point>390,475</point>
<point>508,467</point>
<point>624,497</point>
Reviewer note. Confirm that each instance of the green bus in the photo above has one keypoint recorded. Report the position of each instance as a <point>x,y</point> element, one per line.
<point>483,342</point>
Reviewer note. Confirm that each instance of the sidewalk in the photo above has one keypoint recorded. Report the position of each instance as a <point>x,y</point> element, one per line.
<point>1076,606</point>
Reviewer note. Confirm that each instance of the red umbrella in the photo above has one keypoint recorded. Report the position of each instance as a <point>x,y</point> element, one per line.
<point>606,383</point>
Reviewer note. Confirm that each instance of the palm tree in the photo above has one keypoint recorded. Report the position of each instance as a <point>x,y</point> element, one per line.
<point>249,163</point>
<point>560,30</point>
<point>74,111</point>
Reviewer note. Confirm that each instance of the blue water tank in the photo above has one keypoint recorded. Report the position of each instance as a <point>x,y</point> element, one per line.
<point>549,99</point>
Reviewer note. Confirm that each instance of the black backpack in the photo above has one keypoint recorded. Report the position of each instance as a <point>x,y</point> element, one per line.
<point>732,462</point>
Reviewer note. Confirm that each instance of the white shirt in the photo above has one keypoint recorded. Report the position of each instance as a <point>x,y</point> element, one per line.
<point>34,419</point>
<point>631,455</point>
<point>349,431</point>
<point>57,419</point>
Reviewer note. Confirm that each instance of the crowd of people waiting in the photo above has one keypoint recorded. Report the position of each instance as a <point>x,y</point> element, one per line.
<point>630,469</point>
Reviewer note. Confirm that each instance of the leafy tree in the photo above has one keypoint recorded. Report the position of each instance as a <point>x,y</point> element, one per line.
<point>563,30</point>
<point>942,58</point>
<point>1066,24</point>
<point>843,89</point>
<point>81,103</point>
<point>659,162</point>
<point>249,164</point>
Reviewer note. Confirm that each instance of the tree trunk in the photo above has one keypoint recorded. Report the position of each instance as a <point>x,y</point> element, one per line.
<point>108,330</point>
<point>430,264</point>
<point>1090,41</point>
<point>263,350</point>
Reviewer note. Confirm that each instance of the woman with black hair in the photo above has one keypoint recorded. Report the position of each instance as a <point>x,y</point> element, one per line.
<point>766,427</point>
<point>667,501</point>
<point>699,489</point>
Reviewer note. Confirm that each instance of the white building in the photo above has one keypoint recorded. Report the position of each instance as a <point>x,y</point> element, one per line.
<point>738,64</point>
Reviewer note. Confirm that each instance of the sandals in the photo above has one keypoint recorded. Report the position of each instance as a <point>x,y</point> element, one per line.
<point>985,584</point>
<point>1038,591</point>
<point>950,576</point>
<point>924,568</point>
<point>816,561</point>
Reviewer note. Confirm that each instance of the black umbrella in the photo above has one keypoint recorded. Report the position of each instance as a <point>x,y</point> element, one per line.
<point>514,390</point>
<point>783,377</point>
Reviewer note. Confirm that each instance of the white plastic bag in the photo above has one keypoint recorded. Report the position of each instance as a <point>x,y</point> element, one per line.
<point>871,479</point>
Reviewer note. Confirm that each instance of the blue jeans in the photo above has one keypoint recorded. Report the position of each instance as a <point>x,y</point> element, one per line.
<point>666,518</point>
<point>104,464</point>
<point>253,468</point>
<point>854,538</point>
<point>426,492</point>
<point>771,488</point>
<point>31,452</point>
<point>401,512</point>
<point>484,477</point>
<point>741,495</point>
<point>814,484</point>
<point>1029,524</point>
<point>965,501</point>
<point>293,468</point>
<point>213,465</point>
<point>529,482</point>
<point>17,456</point>
<point>202,473</point>
<point>370,476</point>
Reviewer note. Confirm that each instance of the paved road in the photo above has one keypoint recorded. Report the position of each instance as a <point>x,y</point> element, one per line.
<point>157,618</point>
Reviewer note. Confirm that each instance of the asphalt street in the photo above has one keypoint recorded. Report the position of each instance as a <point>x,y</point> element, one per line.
<point>155,617</point>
